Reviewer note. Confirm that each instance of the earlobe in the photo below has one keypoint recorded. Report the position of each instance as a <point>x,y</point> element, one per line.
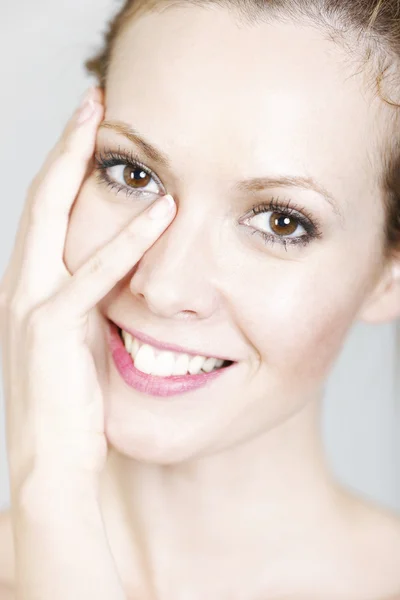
<point>383,304</point>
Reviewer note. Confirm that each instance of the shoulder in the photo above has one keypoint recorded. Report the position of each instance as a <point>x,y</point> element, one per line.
<point>6,557</point>
<point>372,551</point>
<point>356,554</point>
<point>379,530</point>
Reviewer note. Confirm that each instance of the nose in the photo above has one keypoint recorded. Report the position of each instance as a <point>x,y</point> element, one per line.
<point>174,277</point>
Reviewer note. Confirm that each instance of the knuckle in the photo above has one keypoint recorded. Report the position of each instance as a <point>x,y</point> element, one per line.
<point>102,265</point>
<point>133,233</point>
<point>35,209</point>
<point>36,197</point>
<point>42,208</point>
<point>38,322</point>
<point>71,143</point>
<point>72,152</point>
<point>39,213</point>
<point>39,179</point>
<point>95,264</point>
<point>38,182</point>
<point>16,308</point>
<point>131,241</point>
<point>66,145</point>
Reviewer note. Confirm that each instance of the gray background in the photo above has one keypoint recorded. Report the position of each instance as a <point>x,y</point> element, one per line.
<point>43,45</point>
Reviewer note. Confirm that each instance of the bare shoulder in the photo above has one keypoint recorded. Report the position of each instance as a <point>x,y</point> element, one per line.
<point>6,557</point>
<point>381,528</point>
<point>375,547</point>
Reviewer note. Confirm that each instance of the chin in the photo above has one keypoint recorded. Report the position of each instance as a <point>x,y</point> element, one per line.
<point>151,439</point>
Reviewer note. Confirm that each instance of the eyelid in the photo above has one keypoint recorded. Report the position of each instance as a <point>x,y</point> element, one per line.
<point>128,157</point>
<point>108,158</point>
<point>310,223</point>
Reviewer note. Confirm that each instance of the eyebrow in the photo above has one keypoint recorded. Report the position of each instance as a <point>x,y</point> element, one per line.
<point>248,185</point>
<point>133,136</point>
<point>295,181</point>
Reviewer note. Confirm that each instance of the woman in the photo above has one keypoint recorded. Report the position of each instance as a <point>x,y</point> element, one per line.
<point>164,440</point>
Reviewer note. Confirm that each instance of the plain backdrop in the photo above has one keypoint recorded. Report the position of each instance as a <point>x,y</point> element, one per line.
<point>43,45</point>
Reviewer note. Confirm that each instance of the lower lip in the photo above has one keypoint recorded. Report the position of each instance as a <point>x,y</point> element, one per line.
<point>151,384</point>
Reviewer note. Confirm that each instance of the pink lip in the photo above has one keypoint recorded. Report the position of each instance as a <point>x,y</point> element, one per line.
<point>162,346</point>
<point>152,384</point>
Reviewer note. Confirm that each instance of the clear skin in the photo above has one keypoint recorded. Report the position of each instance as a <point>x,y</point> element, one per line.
<point>225,492</point>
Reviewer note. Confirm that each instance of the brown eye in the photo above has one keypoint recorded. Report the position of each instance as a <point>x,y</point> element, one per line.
<point>133,179</point>
<point>282,224</point>
<point>279,225</point>
<point>136,178</point>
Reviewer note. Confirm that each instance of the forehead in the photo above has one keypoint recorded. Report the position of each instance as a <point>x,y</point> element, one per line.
<point>273,96</point>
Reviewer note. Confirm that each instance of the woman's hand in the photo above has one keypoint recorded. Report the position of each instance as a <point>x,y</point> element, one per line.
<point>55,425</point>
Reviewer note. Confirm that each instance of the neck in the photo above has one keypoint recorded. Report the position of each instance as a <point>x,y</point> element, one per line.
<point>268,493</point>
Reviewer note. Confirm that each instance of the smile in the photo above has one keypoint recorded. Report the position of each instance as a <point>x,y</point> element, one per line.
<point>160,372</point>
<point>163,363</point>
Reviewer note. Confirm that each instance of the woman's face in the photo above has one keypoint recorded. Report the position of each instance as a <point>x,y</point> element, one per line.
<point>226,104</point>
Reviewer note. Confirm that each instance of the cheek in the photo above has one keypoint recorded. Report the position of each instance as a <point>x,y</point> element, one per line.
<point>318,339</point>
<point>297,323</point>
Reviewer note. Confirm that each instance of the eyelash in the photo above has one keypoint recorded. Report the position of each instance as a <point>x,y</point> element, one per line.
<point>310,224</point>
<point>108,159</point>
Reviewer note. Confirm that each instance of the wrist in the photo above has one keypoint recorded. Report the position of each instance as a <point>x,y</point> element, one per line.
<point>48,494</point>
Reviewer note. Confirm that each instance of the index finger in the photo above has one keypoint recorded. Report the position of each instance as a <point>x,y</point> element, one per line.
<point>104,269</point>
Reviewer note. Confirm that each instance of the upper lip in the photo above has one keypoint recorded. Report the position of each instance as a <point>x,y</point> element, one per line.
<point>146,339</point>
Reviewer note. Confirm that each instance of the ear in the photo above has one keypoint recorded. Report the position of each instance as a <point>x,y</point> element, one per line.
<point>383,303</point>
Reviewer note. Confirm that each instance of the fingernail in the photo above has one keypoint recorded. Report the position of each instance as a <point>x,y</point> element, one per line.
<point>162,208</point>
<point>87,107</point>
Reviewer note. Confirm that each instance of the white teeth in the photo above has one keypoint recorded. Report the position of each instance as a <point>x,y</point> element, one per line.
<point>195,364</point>
<point>135,348</point>
<point>145,359</point>
<point>209,364</point>
<point>181,364</point>
<point>164,364</point>
<point>128,340</point>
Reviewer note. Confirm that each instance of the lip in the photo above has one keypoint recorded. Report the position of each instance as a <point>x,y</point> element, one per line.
<point>146,339</point>
<point>151,384</point>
